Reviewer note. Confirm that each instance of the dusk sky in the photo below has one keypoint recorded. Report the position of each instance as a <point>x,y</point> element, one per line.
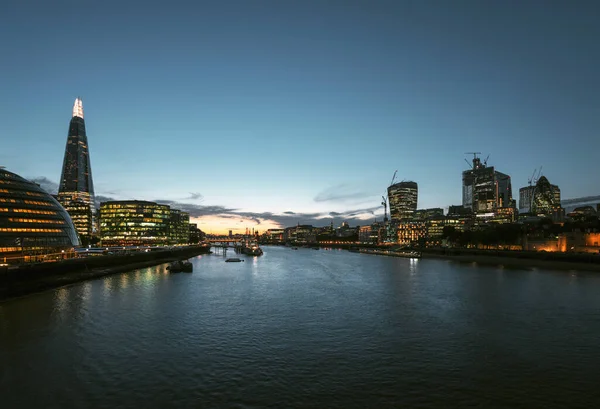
<point>241,111</point>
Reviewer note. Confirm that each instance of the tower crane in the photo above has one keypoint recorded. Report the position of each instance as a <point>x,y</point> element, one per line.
<point>473,153</point>
<point>393,177</point>
<point>530,181</point>
<point>384,204</point>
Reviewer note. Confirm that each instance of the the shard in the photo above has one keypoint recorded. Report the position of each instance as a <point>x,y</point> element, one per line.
<point>76,189</point>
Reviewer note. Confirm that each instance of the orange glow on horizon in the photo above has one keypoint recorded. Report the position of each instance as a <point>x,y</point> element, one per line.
<point>237,224</point>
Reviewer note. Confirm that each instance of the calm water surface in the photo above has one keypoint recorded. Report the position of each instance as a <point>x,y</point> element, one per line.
<point>307,329</point>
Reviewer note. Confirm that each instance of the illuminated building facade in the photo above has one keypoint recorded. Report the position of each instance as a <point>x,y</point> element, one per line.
<point>275,235</point>
<point>402,199</point>
<point>31,221</point>
<point>410,233</point>
<point>543,199</point>
<point>424,214</point>
<point>485,190</point>
<point>134,223</point>
<point>179,227</point>
<point>76,188</point>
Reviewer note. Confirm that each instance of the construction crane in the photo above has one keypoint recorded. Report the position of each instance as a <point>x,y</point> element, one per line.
<point>393,177</point>
<point>384,204</point>
<point>533,179</point>
<point>472,165</point>
<point>485,161</point>
<point>530,180</point>
<point>473,153</point>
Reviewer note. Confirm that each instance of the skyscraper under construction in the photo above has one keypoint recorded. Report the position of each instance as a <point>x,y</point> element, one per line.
<point>76,189</point>
<point>485,190</point>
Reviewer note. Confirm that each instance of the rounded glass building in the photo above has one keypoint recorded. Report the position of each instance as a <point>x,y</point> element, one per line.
<point>32,222</point>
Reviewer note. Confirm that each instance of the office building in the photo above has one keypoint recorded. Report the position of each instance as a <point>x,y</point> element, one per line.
<point>541,199</point>
<point>424,214</point>
<point>196,235</point>
<point>402,199</point>
<point>134,223</point>
<point>32,222</point>
<point>179,227</point>
<point>485,190</point>
<point>76,188</point>
<point>411,233</point>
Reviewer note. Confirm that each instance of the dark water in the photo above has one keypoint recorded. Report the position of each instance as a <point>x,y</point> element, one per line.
<point>307,329</point>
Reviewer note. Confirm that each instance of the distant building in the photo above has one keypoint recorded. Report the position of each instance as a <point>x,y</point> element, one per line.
<point>582,213</point>
<point>372,234</point>
<point>485,190</point>
<point>464,216</point>
<point>424,214</point>
<point>275,235</point>
<point>134,223</point>
<point>179,227</point>
<point>345,230</point>
<point>539,199</point>
<point>196,235</point>
<point>76,188</point>
<point>302,233</point>
<point>411,233</point>
<point>32,222</point>
<point>402,199</point>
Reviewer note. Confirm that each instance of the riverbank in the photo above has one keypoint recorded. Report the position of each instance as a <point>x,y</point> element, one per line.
<point>28,279</point>
<point>525,260</point>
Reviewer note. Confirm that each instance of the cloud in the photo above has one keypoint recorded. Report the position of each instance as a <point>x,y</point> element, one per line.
<point>46,184</point>
<point>194,196</point>
<point>363,215</point>
<point>100,199</point>
<point>343,193</point>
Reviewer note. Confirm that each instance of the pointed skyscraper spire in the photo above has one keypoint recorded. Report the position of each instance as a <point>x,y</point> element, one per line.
<point>76,188</point>
<point>78,108</point>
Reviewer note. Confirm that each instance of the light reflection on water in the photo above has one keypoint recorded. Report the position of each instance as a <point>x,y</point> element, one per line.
<point>307,328</point>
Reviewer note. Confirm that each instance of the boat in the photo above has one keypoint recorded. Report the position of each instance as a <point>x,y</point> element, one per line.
<point>180,266</point>
<point>294,248</point>
<point>393,253</point>
<point>233,260</point>
<point>251,248</point>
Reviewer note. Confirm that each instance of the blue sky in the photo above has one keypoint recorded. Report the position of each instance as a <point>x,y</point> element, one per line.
<point>263,107</point>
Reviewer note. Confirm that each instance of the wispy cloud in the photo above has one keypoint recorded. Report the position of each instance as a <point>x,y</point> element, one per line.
<point>287,218</point>
<point>46,184</point>
<point>194,196</point>
<point>343,193</point>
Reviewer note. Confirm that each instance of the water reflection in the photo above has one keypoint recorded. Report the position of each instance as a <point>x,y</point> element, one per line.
<point>343,329</point>
<point>413,265</point>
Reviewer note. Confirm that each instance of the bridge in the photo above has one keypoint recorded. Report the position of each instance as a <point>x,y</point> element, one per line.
<point>571,204</point>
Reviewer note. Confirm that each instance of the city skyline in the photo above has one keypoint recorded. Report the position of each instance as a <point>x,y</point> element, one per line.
<point>304,108</point>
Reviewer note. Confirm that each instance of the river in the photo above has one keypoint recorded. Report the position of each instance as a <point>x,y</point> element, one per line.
<point>307,329</point>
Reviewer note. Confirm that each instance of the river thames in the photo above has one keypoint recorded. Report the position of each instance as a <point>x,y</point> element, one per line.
<point>307,329</point>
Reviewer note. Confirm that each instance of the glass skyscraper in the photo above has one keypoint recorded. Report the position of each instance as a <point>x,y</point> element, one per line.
<point>402,198</point>
<point>485,190</point>
<point>76,189</point>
